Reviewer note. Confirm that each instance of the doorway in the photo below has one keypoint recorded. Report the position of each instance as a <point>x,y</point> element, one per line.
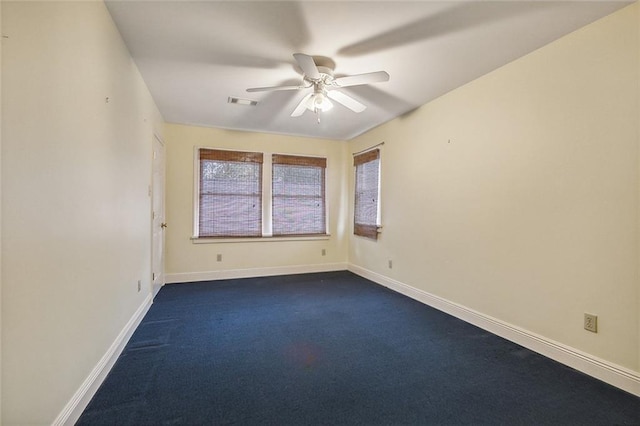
<point>158,218</point>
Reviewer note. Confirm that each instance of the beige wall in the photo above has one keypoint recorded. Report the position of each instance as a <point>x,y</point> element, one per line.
<point>76,212</point>
<point>185,257</point>
<point>517,194</point>
<point>638,120</point>
<point>0,215</point>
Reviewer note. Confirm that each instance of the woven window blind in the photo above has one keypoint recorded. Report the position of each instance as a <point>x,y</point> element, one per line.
<point>230,194</point>
<point>366,194</point>
<point>298,195</point>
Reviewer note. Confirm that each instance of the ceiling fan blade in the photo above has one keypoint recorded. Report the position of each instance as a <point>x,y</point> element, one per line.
<point>308,66</point>
<point>270,88</point>
<point>354,80</point>
<point>302,106</point>
<point>346,100</point>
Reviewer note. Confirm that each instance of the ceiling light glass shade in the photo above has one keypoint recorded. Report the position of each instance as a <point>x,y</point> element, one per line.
<point>320,102</point>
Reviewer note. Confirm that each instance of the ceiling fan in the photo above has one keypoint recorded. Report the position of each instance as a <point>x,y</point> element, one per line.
<point>318,73</point>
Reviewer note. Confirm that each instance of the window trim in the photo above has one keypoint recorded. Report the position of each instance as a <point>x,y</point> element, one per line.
<point>367,230</point>
<point>305,161</point>
<point>234,156</point>
<point>266,202</point>
<point>216,240</point>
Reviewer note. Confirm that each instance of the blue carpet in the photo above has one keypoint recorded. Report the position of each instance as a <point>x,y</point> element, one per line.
<point>334,349</point>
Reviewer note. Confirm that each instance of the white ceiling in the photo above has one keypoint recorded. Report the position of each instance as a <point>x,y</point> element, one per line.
<point>195,55</point>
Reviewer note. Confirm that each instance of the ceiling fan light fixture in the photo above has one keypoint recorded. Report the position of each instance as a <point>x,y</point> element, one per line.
<point>319,102</point>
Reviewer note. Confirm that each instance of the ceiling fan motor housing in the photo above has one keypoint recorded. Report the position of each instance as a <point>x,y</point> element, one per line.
<point>326,77</point>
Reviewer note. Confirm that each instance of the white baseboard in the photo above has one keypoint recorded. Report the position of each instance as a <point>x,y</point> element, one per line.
<point>613,374</point>
<point>74,408</point>
<point>253,272</point>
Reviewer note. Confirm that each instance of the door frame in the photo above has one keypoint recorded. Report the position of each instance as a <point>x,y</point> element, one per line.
<point>157,188</point>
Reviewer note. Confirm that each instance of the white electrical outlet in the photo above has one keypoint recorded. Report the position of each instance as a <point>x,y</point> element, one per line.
<point>390,264</point>
<point>324,252</point>
<point>219,258</point>
<point>591,322</point>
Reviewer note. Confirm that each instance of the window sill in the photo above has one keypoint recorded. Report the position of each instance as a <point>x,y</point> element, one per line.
<point>224,240</point>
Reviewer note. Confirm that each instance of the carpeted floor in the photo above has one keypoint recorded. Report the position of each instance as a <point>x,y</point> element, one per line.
<point>334,349</point>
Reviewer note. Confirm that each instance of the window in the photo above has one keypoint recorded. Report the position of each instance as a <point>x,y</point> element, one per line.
<point>298,195</point>
<point>252,194</point>
<point>367,191</point>
<point>230,194</point>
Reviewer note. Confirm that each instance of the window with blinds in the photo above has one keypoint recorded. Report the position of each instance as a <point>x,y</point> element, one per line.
<point>367,193</point>
<point>230,203</point>
<point>298,195</point>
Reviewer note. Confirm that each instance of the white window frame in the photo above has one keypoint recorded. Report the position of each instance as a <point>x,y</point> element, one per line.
<point>379,199</point>
<point>267,174</point>
<point>305,158</point>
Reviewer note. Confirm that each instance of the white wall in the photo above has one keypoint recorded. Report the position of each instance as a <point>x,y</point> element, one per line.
<point>75,206</point>
<point>188,261</point>
<point>517,195</point>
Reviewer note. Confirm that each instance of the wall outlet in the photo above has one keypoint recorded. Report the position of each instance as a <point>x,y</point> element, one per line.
<point>324,252</point>
<point>390,264</point>
<point>219,258</point>
<point>139,285</point>
<point>591,322</point>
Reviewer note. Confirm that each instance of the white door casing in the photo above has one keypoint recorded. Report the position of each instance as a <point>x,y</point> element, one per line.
<point>158,217</point>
